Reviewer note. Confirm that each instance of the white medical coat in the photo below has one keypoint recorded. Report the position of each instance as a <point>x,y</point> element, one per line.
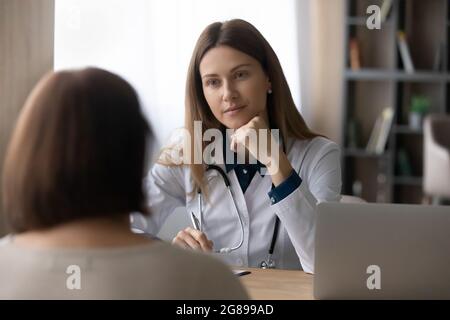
<point>317,161</point>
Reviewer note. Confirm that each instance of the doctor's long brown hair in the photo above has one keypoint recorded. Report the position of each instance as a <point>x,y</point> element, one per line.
<point>242,36</point>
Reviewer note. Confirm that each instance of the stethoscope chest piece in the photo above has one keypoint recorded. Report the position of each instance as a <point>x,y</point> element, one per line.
<point>269,263</point>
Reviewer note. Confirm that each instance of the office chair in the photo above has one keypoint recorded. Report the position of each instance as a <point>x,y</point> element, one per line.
<point>436,164</point>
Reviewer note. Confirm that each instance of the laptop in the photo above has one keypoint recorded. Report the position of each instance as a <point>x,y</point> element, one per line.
<point>382,251</point>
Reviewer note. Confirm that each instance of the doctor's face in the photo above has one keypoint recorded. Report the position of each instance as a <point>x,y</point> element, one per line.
<point>235,86</point>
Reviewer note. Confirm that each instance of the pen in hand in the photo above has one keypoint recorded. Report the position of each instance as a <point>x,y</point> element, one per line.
<point>195,222</point>
<point>205,243</point>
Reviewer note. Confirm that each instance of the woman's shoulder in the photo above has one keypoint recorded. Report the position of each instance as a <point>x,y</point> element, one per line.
<point>207,272</point>
<point>6,240</point>
<point>173,152</point>
<point>315,144</point>
<point>311,150</point>
<point>198,262</point>
<point>307,155</point>
<point>171,159</point>
<point>175,273</point>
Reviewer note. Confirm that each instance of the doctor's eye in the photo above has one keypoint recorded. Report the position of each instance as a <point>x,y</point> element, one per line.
<point>212,83</point>
<point>242,74</point>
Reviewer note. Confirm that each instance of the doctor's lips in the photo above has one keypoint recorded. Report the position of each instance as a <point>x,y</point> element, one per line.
<point>233,109</point>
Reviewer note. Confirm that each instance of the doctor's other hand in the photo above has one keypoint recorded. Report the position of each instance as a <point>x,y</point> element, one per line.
<point>191,238</point>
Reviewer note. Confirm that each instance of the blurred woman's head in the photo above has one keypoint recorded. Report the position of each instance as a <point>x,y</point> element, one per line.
<point>78,151</point>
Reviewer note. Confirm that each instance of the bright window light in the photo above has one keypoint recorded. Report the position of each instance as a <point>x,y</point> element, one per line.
<point>149,43</point>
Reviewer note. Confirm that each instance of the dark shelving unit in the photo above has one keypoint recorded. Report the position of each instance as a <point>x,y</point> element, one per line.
<point>382,81</point>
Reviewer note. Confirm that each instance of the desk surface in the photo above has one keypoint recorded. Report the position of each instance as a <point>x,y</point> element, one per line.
<point>274,284</point>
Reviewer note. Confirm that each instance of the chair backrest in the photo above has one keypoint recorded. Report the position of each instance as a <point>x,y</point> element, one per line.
<point>439,129</point>
<point>352,199</point>
<point>436,156</point>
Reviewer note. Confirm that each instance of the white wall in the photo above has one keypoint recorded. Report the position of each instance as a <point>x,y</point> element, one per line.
<point>150,43</point>
<point>26,54</point>
<point>321,48</point>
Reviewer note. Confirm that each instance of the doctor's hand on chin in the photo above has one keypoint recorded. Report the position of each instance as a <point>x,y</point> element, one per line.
<point>277,163</point>
<point>191,238</point>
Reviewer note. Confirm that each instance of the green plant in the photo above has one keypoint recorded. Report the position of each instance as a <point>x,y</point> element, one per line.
<point>420,104</point>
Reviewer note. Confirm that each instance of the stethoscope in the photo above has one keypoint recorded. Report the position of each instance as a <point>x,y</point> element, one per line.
<point>268,263</point>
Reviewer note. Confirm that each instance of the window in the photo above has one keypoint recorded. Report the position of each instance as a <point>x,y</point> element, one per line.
<point>149,43</point>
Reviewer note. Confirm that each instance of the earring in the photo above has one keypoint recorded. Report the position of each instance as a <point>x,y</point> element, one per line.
<point>269,91</point>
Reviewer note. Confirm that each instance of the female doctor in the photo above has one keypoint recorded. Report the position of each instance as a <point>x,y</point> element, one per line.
<point>251,214</point>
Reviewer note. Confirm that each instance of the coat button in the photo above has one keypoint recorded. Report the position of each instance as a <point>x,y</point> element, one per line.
<point>272,199</point>
<point>245,171</point>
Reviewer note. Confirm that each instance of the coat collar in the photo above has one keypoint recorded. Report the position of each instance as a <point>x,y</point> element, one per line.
<point>221,146</point>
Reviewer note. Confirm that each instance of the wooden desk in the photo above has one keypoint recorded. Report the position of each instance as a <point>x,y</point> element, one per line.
<point>274,284</point>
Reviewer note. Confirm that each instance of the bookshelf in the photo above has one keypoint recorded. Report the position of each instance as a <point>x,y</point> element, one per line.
<point>381,81</point>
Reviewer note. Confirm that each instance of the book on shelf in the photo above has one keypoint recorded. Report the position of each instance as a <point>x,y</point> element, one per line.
<point>382,185</point>
<point>385,10</point>
<point>437,63</point>
<point>355,59</point>
<point>403,163</point>
<point>404,52</point>
<point>380,132</point>
<point>353,133</point>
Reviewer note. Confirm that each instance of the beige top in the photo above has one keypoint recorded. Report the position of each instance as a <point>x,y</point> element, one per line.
<point>151,271</point>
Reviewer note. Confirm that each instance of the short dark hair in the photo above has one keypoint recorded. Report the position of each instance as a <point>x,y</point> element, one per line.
<point>78,151</point>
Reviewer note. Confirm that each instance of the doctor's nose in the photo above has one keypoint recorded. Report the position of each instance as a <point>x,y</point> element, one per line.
<point>229,92</point>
